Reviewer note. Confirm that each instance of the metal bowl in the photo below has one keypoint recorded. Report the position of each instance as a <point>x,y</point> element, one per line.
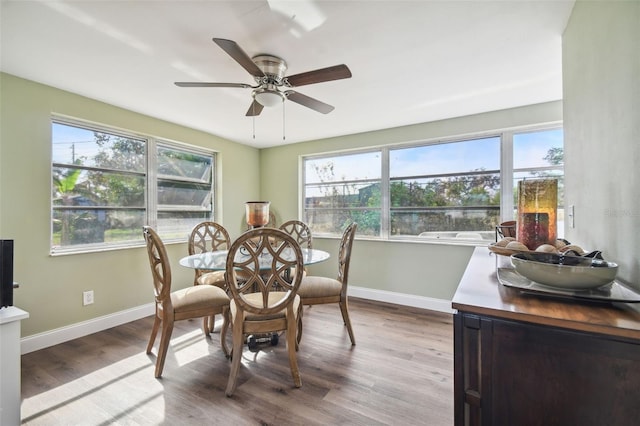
<point>566,272</point>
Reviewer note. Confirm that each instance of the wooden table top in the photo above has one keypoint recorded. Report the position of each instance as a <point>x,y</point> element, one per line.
<point>480,292</point>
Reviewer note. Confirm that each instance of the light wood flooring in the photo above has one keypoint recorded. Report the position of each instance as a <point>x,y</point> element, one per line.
<point>399,373</point>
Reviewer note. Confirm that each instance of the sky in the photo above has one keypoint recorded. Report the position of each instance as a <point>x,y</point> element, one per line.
<point>69,142</point>
<point>529,151</point>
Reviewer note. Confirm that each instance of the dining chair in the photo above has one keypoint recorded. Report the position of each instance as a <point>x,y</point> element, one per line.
<point>264,298</point>
<point>315,290</point>
<point>272,220</point>
<point>208,237</point>
<point>301,232</point>
<point>187,303</point>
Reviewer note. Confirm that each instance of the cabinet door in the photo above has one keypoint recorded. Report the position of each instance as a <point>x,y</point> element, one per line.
<point>472,399</point>
<point>536,375</point>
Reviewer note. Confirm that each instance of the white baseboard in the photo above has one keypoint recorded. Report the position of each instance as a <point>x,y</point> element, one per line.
<point>439,305</point>
<point>63,334</point>
<point>60,335</point>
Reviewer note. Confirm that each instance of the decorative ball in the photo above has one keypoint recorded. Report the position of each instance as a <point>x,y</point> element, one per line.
<point>503,242</point>
<point>516,245</point>
<point>574,248</point>
<point>559,243</point>
<point>547,248</point>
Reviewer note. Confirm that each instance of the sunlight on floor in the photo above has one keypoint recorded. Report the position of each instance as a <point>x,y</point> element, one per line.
<point>100,387</point>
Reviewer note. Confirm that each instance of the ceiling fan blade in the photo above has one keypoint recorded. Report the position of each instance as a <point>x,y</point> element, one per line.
<point>195,84</point>
<point>309,102</point>
<point>236,52</point>
<point>254,109</point>
<point>336,72</point>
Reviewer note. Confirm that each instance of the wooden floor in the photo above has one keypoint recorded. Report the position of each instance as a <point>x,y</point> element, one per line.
<point>399,373</point>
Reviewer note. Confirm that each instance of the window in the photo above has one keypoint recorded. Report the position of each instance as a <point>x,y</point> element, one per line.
<point>107,184</point>
<point>454,190</point>
<point>445,190</point>
<point>342,189</point>
<point>539,154</point>
<point>184,190</point>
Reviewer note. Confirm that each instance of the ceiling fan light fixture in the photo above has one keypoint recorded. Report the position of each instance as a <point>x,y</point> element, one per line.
<point>268,98</point>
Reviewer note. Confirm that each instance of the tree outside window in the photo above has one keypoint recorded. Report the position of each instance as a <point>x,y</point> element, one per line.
<point>101,187</point>
<point>446,190</point>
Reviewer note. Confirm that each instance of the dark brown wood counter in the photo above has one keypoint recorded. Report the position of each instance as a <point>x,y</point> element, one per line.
<point>523,359</point>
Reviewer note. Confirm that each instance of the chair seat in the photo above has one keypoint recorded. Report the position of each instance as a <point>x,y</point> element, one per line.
<point>197,298</point>
<point>314,286</point>
<point>212,278</point>
<point>293,272</point>
<point>256,299</point>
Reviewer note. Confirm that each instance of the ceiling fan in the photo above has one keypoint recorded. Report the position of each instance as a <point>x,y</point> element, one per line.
<point>269,73</point>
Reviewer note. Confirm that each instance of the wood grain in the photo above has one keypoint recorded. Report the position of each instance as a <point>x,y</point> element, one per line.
<point>480,292</point>
<point>401,372</point>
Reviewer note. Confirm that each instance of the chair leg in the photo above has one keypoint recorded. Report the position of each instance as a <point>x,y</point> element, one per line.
<point>223,332</point>
<point>167,329</point>
<point>236,354</point>
<point>154,333</point>
<point>208,324</point>
<point>299,331</point>
<point>212,323</point>
<point>344,308</point>
<point>205,326</point>
<point>291,348</point>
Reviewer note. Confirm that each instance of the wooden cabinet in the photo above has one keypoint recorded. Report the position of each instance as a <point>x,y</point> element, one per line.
<point>513,373</point>
<point>526,360</point>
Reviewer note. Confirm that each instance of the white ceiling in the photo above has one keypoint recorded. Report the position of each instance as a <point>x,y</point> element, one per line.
<point>412,61</point>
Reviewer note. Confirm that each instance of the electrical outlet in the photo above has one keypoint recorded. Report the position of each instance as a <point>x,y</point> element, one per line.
<point>87,297</point>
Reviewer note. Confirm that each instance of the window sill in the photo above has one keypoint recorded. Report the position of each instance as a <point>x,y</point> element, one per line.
<point>414,240</point>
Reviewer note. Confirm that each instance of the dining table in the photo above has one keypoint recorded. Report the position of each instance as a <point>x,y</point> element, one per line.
<point>216,260</point>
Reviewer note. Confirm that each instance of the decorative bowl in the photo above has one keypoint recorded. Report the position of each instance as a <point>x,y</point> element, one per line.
<point>567,272</point>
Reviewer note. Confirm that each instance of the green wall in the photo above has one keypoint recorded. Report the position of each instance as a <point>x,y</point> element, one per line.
<point>51,287</point>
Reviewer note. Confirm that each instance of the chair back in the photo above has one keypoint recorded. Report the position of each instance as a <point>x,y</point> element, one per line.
<point>300,231</point>
<point>272,220</point>
<point>159,262</point>
<point>264,269</point>
<point>344,253</point>
<point>208,236</point>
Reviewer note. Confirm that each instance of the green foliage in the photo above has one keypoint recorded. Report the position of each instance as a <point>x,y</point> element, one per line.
<point>117,189</point>
<point>555,156</point>
<point>65,181</point>
<point>472,190</point>
<point>119,153</point>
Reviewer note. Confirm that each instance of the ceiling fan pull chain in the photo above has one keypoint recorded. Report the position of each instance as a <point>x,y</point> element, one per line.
<point>254,126</point>
<point>283,138</point>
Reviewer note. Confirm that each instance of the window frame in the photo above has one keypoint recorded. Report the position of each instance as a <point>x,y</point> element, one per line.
<point>151,177</point>
<point>155,177</point>
<point>344,153</point>
<point>506,172</point>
